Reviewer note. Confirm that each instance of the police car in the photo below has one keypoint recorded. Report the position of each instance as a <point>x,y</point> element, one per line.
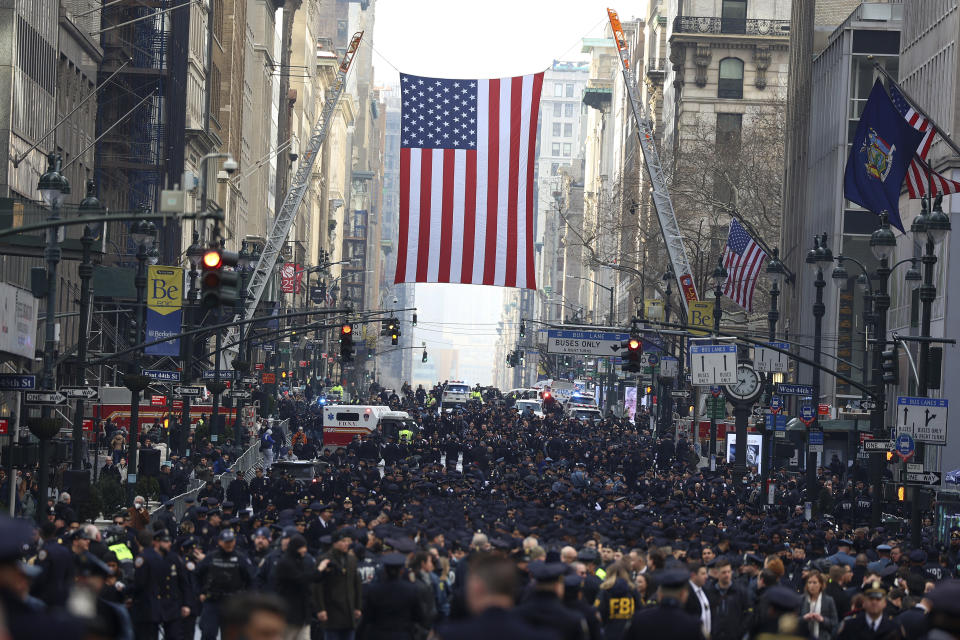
<point>534,406</point>
<point>583,411</point>
<point>455,392</point>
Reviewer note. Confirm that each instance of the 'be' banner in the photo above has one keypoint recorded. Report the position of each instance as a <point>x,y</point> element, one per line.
<point>164,309</point>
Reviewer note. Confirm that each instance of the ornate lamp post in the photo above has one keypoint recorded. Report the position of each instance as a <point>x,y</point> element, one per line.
<point>719,278</point>
<point>817,257</point>
<point>777,274</point>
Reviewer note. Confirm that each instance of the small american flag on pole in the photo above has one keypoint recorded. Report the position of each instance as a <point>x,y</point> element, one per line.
<point>467,154</point>
<point>919,174</point>
<point>742,258</point>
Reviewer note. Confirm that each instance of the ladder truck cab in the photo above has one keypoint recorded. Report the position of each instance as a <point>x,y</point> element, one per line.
<point>342,422</point>
<point>455,393</point>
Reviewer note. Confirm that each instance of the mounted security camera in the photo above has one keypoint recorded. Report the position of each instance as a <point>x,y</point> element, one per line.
<point>230,165</point>
<point>395,301</point>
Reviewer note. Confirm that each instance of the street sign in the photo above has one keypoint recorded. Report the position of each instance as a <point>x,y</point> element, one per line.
<point>188,391</point>
<point>585,343</point>
<point>239,394</point>
<point>4,426</point>
<point>905,445</point>
<point>914,467</point>
<point>769,360</point>
<point>15,381</point>
<point>158,401</point>
<point>249,379</point>
<point>776,404</point>
<point>816,442</point>
<point>715,391</point>
<point>669,367</point>
<point>923,418</point>
<point>823,410</point>
<point>787,389</point>
<point>713,364</point>
<point>259,366</point>
<point>649,359</point>
<point>868,405</point>
<point>269,378</point>
<point>758,411</point>
<point>44,397</point>
<point>927,478</point>
<point>878,446</point>
<point>778,422</point>
<point>806,414</point>
<point>87,424</point>
<point>88,393</point>
<point>211,374</point>
<point>162,376</point>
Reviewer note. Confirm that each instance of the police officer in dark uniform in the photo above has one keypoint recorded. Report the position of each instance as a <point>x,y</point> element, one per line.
<point>57,568</point>
<point>667,619</point>
<point>145,591</point>
<point>544,607</point>
<point>392,608</point>
<point>871,623</point>
<point>222,573</point>
<point>174,590</point>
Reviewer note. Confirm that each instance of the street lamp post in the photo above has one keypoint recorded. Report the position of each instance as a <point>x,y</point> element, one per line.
<point>882,243</point>
<point>194,256</point>
<point>819,255</point>
<point>53,187</point>
<point>142,233</point>
<point>777,274</point>
<point>719,277</point>
<point>89,205</point>
<point>241,368</point>
<point>666,384</point>
<point>934,225</point>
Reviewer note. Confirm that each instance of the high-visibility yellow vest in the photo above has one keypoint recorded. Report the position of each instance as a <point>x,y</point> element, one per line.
<point>600,573</point>
<point>122,551</point>
<point>406,435</point>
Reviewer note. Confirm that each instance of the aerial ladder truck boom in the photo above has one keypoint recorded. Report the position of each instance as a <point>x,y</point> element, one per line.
<point>287,214</point>
<point>658,182</point>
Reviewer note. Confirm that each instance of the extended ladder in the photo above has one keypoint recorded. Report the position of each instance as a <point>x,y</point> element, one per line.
<point>661,194</point>
<point>291,202</point>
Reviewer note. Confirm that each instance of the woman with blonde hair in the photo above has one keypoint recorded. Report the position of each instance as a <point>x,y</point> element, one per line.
<point>617,600</point>
<point>818,609</point>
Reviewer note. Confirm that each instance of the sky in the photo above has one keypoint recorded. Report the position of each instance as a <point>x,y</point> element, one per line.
<point>489,39</point>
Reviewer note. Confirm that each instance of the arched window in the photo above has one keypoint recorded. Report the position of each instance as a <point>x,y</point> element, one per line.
<point>731,78</point>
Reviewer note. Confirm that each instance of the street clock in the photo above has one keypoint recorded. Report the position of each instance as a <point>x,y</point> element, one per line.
<point>747,387</point>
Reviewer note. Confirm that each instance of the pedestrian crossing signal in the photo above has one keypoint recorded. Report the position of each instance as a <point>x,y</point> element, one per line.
<point>901,494</point>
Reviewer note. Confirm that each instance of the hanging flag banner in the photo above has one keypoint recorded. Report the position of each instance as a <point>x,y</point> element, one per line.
<point>18,321</point>
<point>164,309</point>
<point>291,275</point>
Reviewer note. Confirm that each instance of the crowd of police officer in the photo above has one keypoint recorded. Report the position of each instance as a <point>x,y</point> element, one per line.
<point>484,523</point>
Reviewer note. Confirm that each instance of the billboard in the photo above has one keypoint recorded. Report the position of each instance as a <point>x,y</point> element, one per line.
<point>18,321</point>
<point>754,449</point>
<point>164,308</point>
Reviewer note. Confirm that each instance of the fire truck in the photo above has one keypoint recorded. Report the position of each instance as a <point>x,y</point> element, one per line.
<point>114,404</point>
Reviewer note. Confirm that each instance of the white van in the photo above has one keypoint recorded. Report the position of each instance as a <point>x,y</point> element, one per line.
<point>582,411</point>
<point>341,422</point>
<point>455,392</point>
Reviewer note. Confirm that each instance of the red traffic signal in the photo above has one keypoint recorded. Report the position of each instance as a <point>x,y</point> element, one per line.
<point>346,329</point>
<point>633,344</point>
<point>212,259</point>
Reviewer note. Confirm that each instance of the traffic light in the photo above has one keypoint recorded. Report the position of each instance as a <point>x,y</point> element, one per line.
<point>423,358</point>
<point>890,364</point>
<point>394,328</point>
<point>634,347</point>
<point>934,367</point>
<point>219,284</point>
<point>414,320</point>
<point>346,343</point>
<point>901,494</point>
<point>523,329</point>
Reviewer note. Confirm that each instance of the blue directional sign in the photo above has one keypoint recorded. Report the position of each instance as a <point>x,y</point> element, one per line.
<point>807,413</point>
<point>161,375</point>
<point>776,404</point>
<point>905,446</point>
<point>787,389</point>
<point>15,382</point>
<point>816,437</point>
<point>778,422</point>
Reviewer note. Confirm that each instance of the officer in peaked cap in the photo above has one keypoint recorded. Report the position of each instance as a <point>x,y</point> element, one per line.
<point>871,622</point>
<point>26,619</point>
<point>392,607</point>
<point>667,619</point>
<point>544,608</point>
<point>945,607</point>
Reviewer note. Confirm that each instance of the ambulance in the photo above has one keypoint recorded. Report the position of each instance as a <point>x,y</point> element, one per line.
<point>341,422</point>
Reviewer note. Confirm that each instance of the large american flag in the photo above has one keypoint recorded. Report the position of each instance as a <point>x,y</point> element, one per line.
<point>919,173</point>
<point>742,258</point>
<point>467,154</point>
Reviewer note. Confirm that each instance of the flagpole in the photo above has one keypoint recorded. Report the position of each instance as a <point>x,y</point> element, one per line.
<point>913,103</point>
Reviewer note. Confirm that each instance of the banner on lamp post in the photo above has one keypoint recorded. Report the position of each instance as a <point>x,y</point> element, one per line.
<point>164,309</point>
<point>291,275</point>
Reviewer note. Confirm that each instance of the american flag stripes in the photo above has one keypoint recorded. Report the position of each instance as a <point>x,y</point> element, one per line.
<point>919,174</point>
<point>467,154</point>
<point>742,258</point>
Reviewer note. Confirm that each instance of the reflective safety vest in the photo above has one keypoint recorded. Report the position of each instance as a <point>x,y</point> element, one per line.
<point>122,551</point>
<point>406,435</point>
<point>600,573</point>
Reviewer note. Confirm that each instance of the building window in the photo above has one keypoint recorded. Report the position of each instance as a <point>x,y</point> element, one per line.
<point>555,149</point>
<point>556,129</point>
<point>568,130</point>
<point>728,131</point>
<point>733,16</point>
<point>558,90</point>
<point>568,109</point>
<point>569,90</point>
<point>728,145</point>
<point>731,79</point>
<point>557,109</point>
<point>218,20</point>
<point>215,103</point>
<point>554,168</point>
<point>567,149</point>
